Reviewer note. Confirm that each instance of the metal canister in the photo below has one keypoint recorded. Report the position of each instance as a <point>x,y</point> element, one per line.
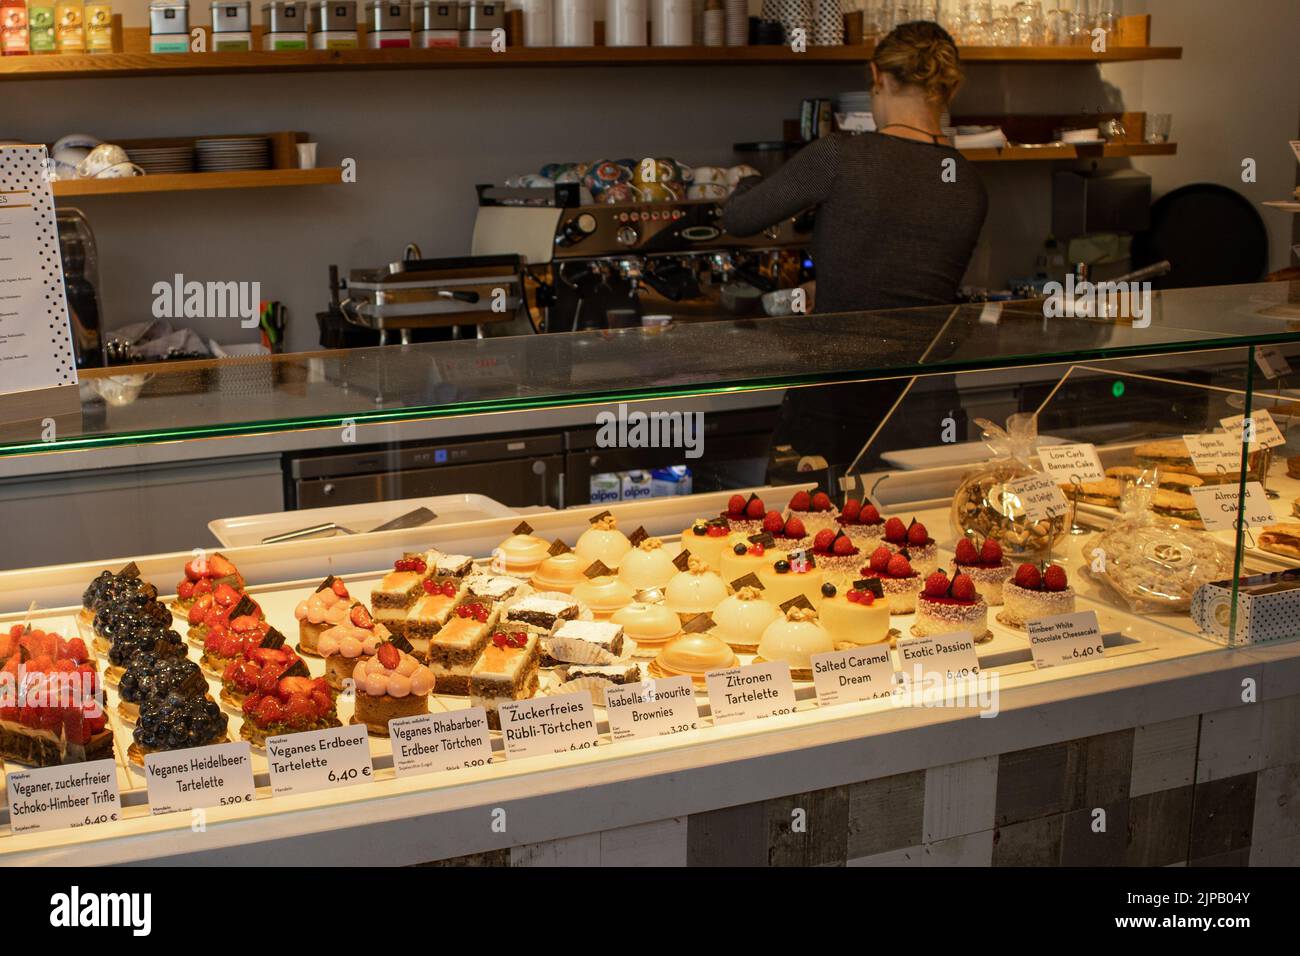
<point>435,15</point>
<point>383,16</point>
<point>334,16</point>
<point>284,16</point>
<point>167,17</point>
<point>232,16</point>
<point>482,15</point>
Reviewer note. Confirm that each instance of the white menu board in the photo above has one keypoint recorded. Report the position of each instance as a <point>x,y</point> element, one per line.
<point>35,338</point>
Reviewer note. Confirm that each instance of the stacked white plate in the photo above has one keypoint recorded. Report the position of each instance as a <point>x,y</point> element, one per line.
<point>233,152</point>
<point>163,159</point>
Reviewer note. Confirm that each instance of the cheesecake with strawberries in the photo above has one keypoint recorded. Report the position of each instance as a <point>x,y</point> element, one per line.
<point>745,515</point>
<point>922,550</point>
<point>986,567</point>
<point>861,522</point>
<point>788,534</point>
<point>1035,593</point>
<point>836,553</point>
<point>290,705</point>
<point>898,579</point>
<point>814,508</point>
<point>946,605</point>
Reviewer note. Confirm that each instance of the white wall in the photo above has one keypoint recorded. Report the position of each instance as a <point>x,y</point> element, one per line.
<point>423,138</point>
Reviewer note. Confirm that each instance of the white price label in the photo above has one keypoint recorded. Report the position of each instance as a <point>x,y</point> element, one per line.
<point>1218,505</point>
<point>1272,362</point>
<point>1264,432</point>
<point>548,725</point>
<point>319,759</point>
<point>1035,496</point>
<point>449,741</point>
<point>51,798</point>
<point>991,313</point>
<point>751,692</point>
<point>860,673</point>
<point>950,657</point>
<point>1065,639</point>
<point>1215,452</point>
<point>1065,464</point>
<point>219,775</point>
<point>652,708</point>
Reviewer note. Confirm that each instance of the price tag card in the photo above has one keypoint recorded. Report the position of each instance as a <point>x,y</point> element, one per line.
<point>1264,433</point>
<point>860,673</point>
<point>751,692</point>
<point>1065,639</point>
<point>1035,496</point>
<point>319,759</point>
<point>991,313</point>
<point>1217,451</point>
<point>652,708</point>
<point>51,798</point>
<point>548,725</point>
<point>448,741</point>
<point>1065,464</point>
<point>948,656</point>
<point>1218,506</point>
<point>1272,362</point>
<point>219,775</point>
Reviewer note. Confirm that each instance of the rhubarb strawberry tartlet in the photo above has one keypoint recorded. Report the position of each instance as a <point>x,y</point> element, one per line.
<point>814,508</point>
<point>836,553</point>
<point>289,705</point>
<point>947,605</point>
<point>259,671</point>
<point>898,579</point>
<point>861,522</point>
<point>708,540</point>
<point>854,615</point>
<point>788,534</point>
<point>745,515</point>
<point>1034,594</point>
<point>922,550</point>
<point>328,606</point>
<point>202,576</point>
<point>389,685</point>
<point>986,567</point>
<point>345,645</point>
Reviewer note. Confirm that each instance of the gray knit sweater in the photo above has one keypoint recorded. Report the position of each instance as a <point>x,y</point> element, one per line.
<point>891,231</point>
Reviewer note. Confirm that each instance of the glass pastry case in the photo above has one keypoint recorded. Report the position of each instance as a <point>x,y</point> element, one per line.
<point>951,505</point>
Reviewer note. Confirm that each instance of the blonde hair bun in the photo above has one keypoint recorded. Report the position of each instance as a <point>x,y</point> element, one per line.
<point>921,53</point>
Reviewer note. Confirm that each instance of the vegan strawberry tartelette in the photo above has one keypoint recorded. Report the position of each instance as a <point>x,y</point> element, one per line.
<point>1035,592</point>
<point>390,684</point>
<point>922,550</point>
<point>745,515</point>
<point>219,607</point>
<point>862,522</point>
<point>898,579</point>
<point>203,574</point>
<point>345,645</point>
<point>229,641</point>
<point>814,508</point>
<point>327,606</point>
<point>947,605</point>
<point>986,567</point>
<point>290,705</point>
<point>259,670</point>
<point>837,554</point>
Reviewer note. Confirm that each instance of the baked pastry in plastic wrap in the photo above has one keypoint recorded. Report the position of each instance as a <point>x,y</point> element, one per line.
<point>1154,563</point>
<point>982,508</point>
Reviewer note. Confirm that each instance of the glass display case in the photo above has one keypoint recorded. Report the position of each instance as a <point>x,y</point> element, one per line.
<point>734,539</point>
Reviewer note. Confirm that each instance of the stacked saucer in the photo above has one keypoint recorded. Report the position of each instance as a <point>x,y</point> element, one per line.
<point>219,154</point>
<point>163,159</point>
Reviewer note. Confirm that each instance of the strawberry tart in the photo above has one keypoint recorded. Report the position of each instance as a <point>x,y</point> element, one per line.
<point>218,608</point>
<point>814,508</point>
<point>985,566</point>
<point>390,684</point>
<point>345,645</point>
<point>259,671</point>
<point>745,515</point>
<point>202,576</point>
<point>898,579</point>
<point>836,553</point>
<point>853,614</point>
<point>861,522</point>
<point>945,606</point>
<point>789,534</point>
<point>328,606</point>
<point>1035,593</point>
<point>289,705</point>
<point>230,641</point>
<point>922,550</point>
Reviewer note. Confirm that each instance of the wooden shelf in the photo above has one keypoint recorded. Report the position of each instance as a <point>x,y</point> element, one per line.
<point>187,182</point>
<point>1011,154</point>
<point>136,62</point>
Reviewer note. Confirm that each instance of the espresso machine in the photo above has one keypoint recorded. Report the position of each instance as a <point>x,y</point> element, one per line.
<point>610,265</point>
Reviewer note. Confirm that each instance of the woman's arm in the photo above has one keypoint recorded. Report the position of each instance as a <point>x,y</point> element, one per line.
<point>805,180</point>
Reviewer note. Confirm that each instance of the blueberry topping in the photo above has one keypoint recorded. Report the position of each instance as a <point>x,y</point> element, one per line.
<point>828,590</point>
<point>782,566</point>
<point>739,549</point>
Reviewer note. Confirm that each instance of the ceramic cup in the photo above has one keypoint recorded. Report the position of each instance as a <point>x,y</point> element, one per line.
<point>120,171</point>
<point>101,158</point>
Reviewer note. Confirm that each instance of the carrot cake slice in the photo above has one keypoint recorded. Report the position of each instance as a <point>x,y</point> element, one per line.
<point>506,671</point>
<point>453,650</point>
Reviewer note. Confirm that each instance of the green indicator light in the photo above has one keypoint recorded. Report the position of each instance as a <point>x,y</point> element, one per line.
<point>1117,389</point>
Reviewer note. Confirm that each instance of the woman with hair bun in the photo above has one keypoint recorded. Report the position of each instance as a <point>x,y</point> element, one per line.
<point>898,212</point>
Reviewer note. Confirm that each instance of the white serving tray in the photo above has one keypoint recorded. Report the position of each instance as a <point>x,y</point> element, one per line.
<point>450,509</point>
<point>949,455</point>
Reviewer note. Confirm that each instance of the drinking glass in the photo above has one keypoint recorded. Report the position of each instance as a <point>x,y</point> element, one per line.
<point>1029,22</point>
<point>1158,127</point>
<point>1056,26</point>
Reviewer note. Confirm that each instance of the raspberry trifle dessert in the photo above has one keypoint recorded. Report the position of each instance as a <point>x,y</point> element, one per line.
<point>922,550</point>
<point>986,567</point>
<point>945,606</point>
<point>814,508</point>
<point>836,553</point>
<point>745,515</point>
<point>861,522</point>
<point>898,579</point>
<point>1035,593</point>
<point>789,534</point>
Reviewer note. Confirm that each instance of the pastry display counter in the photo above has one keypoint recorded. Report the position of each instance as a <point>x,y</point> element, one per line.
<point>1051,568</point>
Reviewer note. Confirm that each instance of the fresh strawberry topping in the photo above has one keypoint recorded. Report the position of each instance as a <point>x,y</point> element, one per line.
<point>880,559</point>
<point>843,546</point>
<point>991,553</point>
<point>822,542</point>
<point>339,588</point>
<point>966,553</point>
<point>1054,578</point>
<point>917,534</point>
<point>755,510</point>
<point>895,531</point>
<point>361,617</point>
<point>963,588</point>
<point>852,508</point>
<point>389,656</point>
<point>736,505</point>
<point>773,522</point>
<point>1027,576</point>
<point>794,527</point>
<point>822,502</point>
<point>869,514</point>
<point>899,567</point>
<point>802,501</point>
<point>936,585</point>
